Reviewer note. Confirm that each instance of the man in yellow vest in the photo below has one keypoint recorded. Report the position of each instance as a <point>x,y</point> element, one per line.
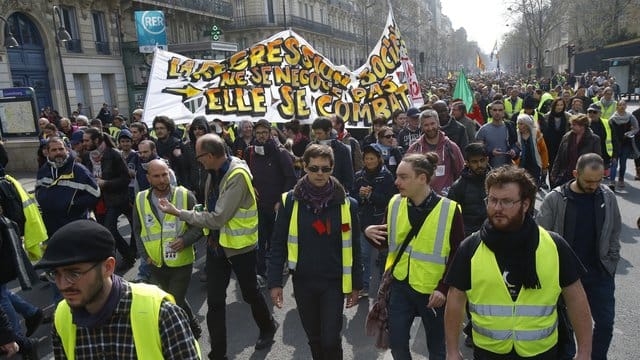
<point>512,274</point>
<point>231,222</point>
<point>315,230</point>
<point>102,315</point>
<point>513,103</point>
<point>166,240</point>
<point>600,126</point>
<point>433,227</point>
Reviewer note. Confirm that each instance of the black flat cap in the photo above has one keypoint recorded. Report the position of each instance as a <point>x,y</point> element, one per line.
<point>77,242</point>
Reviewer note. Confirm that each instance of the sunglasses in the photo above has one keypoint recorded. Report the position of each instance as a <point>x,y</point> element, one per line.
<point>592,112</point>
<point>315,169</point>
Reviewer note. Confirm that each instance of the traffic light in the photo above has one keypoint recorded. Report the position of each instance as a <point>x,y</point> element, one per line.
<point>216,32</point>
<point>571,50</point>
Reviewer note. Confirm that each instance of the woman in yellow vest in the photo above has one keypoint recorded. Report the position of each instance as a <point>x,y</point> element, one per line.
<point>512,273</point>
<point>317,233</point>
<point>433,227</point>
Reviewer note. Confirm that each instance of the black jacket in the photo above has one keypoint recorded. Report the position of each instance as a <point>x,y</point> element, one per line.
<point>343,165</point>
<point>372,210</point>
<point>165,149</point>
<point>319,256</point>
<point>456,132</point>
<point>560,172</point>
<point>196,175</point>
<point>469,192</point>
<point>115,175</point>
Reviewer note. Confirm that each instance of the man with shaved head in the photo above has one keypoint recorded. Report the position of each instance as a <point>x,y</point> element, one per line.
<point>167,240</point>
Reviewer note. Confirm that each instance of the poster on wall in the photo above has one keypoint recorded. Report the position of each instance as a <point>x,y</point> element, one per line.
<point>284,78</point>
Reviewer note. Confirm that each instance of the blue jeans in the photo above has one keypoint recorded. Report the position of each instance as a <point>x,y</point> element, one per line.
<point>599,286</point>
<point>621,162</point>
<point>7,307</point>
<point>404,305</point>
<point>24,308</point>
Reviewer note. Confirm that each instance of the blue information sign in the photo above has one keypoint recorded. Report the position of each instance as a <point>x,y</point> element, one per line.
<point>151,30</point>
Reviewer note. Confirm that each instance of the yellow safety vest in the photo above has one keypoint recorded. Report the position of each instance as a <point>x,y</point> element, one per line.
<point>242,229</point>
<point>545,96</point>
<point>425,257</point>
<point>608,111</point>
<point>34,230</point>
<point>145,314</point>
<point>607,131</point>
<point>156,235</point>
<point>114,132</point>
<point>530,324</point>
<point>509,109</point>
<point>347,249</point>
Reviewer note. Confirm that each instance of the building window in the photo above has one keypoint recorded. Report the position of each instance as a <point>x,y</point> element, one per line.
<point>322,15</point>
<point>270,15</point>
<point>81,87</point>
<point>300,8</point>
<point>71,24</point>
<point>100,31</point>
<point>311,11</point>
<point>239,8</point>
<point>109,89</point>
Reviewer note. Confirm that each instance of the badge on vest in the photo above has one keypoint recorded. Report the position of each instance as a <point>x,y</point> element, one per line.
<point>169,253</point>
<point>148,220</point>
<point>440,170</point>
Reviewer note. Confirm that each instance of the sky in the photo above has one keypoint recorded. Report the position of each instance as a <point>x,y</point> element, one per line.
<point>484,20</point>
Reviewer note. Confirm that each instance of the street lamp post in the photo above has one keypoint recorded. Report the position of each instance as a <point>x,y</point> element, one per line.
<point>9,40</point>
<point>62,35</point>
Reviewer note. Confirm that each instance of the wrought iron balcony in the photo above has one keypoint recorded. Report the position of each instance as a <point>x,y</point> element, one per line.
<point>208,7</point>
<point>102,48</point>
<point>73,45</point>
<point>277,21</point>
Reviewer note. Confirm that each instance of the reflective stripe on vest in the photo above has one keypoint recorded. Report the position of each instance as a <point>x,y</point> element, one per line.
<point>509,109</point>
<point>156,236</point>
<point>607,131</point>
<point>424,259</point>
<point>528,324</point>
<point>242,229</point>
<point>347,246</point>
<point>608,111</point>
<point>144,316</point>
<point>35,231</point>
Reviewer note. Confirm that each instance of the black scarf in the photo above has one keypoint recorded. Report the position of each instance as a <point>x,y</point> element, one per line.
<point>317,197</point>
<point>519,246</point>
<point>83,318</point>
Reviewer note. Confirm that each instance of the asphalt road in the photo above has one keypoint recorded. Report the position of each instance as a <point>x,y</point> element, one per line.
<point>291,340</point>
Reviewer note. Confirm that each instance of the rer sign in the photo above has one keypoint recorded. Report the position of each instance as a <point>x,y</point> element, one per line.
<point>151,30</point>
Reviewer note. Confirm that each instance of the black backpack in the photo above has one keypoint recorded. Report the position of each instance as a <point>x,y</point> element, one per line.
<point>11,203</point>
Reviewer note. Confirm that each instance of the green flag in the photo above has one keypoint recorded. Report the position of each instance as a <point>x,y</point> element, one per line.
<point>463,91</point>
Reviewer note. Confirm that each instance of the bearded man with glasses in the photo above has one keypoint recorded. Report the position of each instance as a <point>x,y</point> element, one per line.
<point>103,315</point>
<point>513,273</point>
<point>315,230</point>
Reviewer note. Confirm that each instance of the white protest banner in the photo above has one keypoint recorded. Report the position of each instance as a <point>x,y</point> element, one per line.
<point>280,79</point>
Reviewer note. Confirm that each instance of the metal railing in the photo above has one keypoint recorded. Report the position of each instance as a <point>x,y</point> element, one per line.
<point>278,21</point>
<point>216,7</point>
<point>102,48</point>
<point>73,45</point>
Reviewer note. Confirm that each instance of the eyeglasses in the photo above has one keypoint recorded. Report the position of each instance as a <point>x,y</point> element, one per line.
<point>388,136</point>
<point>504,203</point>
<point>262,132</point>
<point>315,169</point>
<point>69,276</point>
<point>201,155</point>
